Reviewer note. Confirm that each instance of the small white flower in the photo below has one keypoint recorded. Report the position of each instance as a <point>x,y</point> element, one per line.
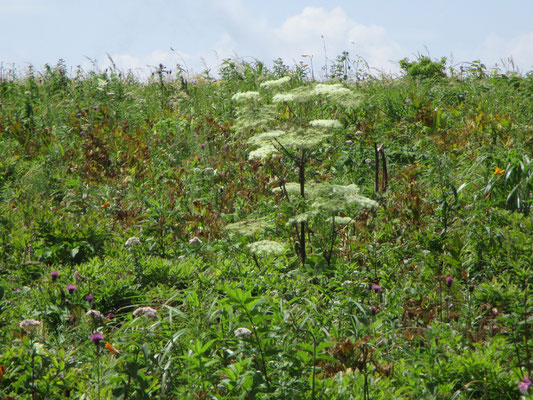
<point>132,241</point>
<point>275,83</point>
<point>94,314</point>
<point>243,97</point>
<point>147,312</point>
<point>30,325</point>
<point>242,332</point>
<point>195,241</point>
<point>326,123</point>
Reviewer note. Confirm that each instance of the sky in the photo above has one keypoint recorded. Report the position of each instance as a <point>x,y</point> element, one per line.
<point>200,34</point>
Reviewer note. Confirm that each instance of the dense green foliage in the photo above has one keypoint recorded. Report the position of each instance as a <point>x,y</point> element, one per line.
<point>411,198</point>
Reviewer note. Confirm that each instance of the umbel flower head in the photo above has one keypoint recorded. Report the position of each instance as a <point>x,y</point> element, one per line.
<point>242,332</point>
<point>147,312</point>
<point>449,281</point>
<point>71,288</point>
<point>97,337</point>
<point>94,314</point>
<point>132,242</point>
<point>30,325</point>
<point>54,275</point>
<point>195,241</point>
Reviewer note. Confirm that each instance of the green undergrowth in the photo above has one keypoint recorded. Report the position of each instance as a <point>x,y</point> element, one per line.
<point>261,235</point>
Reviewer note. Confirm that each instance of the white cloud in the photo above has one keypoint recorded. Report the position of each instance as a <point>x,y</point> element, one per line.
<point>306,33</point>
<point>519,49</point>
<point>250,36</point>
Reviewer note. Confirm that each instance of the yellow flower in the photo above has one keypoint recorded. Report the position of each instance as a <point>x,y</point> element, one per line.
<point>499,171</point>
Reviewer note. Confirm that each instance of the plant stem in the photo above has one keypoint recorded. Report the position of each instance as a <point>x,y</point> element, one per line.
<point>301,178</point>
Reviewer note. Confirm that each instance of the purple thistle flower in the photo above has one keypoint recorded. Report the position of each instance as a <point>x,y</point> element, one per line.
<point>54,275</point>
<point>82,133</point>
<point>71,288</point>
<point>376,288</point>
<point>523,386</point>
<point>226,149</point>
<point>97,337</point>
<point>373,311</point>
<point>95,107</point>
<point>203,146</point>
<point>110,315</point>
<point>89,297</point>
<point>449,281</point>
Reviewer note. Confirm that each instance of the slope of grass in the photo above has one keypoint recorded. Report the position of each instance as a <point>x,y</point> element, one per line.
<point>117,195</point>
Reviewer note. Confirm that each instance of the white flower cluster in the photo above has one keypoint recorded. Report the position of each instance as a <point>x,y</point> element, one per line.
<point>195,241</point>
<point>94,314</point>
<point>147,312</point>
<point>243,97</point>
<point>242,332</point>
<point>283,98</point>
<point>30,325</point>
<point>326,123</point>
<point>132,241</point>
<point>275,83</point>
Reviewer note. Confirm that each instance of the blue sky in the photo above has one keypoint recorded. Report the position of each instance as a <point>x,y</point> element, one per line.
<point>138,34</point>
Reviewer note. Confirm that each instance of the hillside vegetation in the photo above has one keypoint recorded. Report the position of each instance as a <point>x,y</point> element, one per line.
<point>261,235</point>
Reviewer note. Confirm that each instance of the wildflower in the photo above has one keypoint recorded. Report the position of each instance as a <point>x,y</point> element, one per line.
<point>71,288</point>
<point>242,97</point>
<point>408,101</point>
<point>30,325</point>
<point>195,241</point>
<point>110,315</point>
<point>94,314</point>
<point>226,148</point>
<point>325,123</point>
<point>95,107</point>
<point>202,146</point>
<point>373,311</point>
<point>54,275</point>
<point>449,281</point>
<point>499,171</point>
<point>524,385</point>
<point>89,298</point>
<point>275,83</point>
<point>132,241</point>
<point>242,332</point>
<point>376,288</point>
<point>82,133</point>
<point>97,337</point>
<point>147,312</point>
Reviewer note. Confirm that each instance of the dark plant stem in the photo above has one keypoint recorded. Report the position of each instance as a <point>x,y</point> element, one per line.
<point>526,330</point>
<point>332,243</point>
<point>313,385</point>
<point>98,370</point>
<point>384,168</point>
<point>301,179</point>
<point>258,341</point>
<point>32,370</point>
<point>376,168</point>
